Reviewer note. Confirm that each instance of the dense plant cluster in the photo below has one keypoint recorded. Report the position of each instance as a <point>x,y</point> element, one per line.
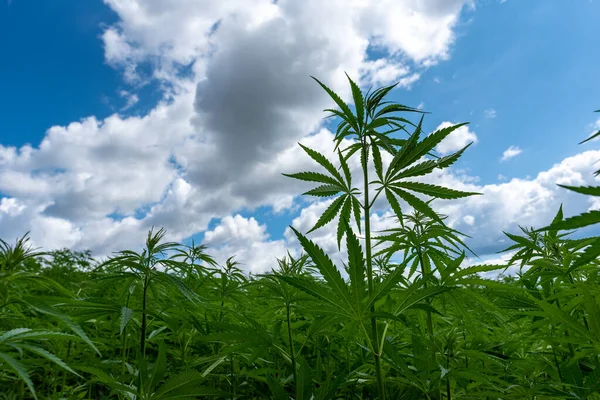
<point>407,318</point>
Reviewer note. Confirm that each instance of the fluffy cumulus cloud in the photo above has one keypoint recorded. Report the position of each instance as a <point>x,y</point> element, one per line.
<point>247,241</point>
<point>458,139</point>
<point>11,206</point>
<point>237,98</point>
<point>511,152</point>
<point>94,176</point>
<point>184,32</point>
<point>526,202</point>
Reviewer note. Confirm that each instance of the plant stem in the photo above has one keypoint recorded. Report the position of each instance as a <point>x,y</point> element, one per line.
<point>143,332</point>
<point>124,344</point>
<point>572,281</point>
<point>221,309</point>
<point>571,348</point>
<point>448,388</point>
<point>232,377</point>
<point>143,328</point>
<point>375,334</point>
<point>64,381</point>
<point>426,274</point>
<point>292,353</point>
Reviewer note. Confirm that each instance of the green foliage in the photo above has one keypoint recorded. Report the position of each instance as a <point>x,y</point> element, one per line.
<point>371,130</point>
<point>405,317</point>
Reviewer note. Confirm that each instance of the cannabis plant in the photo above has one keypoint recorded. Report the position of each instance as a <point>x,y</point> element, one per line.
<point>371,131</point>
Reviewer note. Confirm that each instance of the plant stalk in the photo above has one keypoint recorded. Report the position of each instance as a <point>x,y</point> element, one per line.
<point>143,327</point>
<point>375,334</point>
<point>292,352</point>
<point>143,332</point>
<point>426,277</point>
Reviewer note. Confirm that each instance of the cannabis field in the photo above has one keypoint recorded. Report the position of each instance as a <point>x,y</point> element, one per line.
<point>409,314</point>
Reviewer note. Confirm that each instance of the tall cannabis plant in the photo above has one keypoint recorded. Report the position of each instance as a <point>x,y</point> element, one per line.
<point>372,130</point>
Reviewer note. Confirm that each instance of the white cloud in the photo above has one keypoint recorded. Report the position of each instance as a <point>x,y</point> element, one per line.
<point>11,206</point>
<point>131,99</point>
<point>526,202</point>
<point>431,22</point>
<point>489,113</point>
<point>92,168</point>
<point>383,72</point>
<point>594,204</point>
<point>511,152</point>
<point>236,229</point>
<point>186,32</point>
<point>248,241</point>
<point>458,139</point>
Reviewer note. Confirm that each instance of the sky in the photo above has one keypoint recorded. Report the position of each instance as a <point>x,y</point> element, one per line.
<point>121,115</point>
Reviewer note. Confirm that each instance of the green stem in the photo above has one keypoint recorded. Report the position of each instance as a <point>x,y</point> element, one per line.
<point>143,331</point>
<point>426,277</point>
<point>572,281</point>
<point>328,365</point>
<point>367,208</point>
<point>571,348</point>
<point>183,347</point>
<point>557,364</point>
<point>64,381</point>
<point>426,274</point>
<point>124,344</point>
<point>143,327</point>
<point>292,353</point>
<point>232,377</point>
<point>448,389</point>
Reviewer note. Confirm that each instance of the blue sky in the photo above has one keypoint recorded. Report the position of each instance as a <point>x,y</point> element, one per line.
<point>54,72</point>
<point>523,73</point>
